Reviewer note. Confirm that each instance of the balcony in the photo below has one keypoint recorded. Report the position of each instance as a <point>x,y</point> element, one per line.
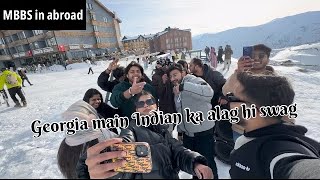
<point>5,57</point>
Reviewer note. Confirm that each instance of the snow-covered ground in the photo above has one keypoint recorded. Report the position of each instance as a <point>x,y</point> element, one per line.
<point>23,156</point>
<point>307,54</point>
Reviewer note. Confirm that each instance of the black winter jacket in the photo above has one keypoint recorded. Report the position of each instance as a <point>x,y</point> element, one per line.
<point>105,84</point>
<point>276,151</point>
<point>105,111</point>
<point>216,80</point>
<point>164,92</point>
<point>168,154</point>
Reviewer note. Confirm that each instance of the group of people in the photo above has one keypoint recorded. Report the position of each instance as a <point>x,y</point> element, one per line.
<point>214,59</point>
<point>265,147</point>
<point>14,83</point>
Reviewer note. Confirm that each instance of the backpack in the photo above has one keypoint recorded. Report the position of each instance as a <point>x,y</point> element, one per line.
<point>11,79</point>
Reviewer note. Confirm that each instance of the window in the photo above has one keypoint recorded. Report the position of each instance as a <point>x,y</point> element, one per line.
<point>37,32</point>
<point>20,48</point>
<point>93,16</point>
<point>167,41</point>
<point>95,28</point>
<point>26,47</point>
<point>168,46</point>
<point>4,52</point>
<point>98,39</point>
<point>51,42</point>
<point>14,37</point>
<point>105,19</point>
<point>89,6</point>
<point>8,39</point>
<point>36,45</point>
<point>13,50</point>
<point>2,41</point>
<point>21,35</point>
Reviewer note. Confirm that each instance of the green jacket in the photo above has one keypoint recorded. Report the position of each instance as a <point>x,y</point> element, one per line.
<point>127,106</point>
<point>3,78</point>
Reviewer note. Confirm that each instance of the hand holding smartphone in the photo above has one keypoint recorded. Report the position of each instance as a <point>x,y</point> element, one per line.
<point>246,61</point>
<point>138,157</point>
<point>247,51</point>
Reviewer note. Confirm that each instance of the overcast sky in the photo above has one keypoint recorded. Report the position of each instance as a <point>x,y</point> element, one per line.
<point>202,16</point>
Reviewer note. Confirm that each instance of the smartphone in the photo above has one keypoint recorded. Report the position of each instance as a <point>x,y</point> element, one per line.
<point>247,51</point>
<point>138,157</point>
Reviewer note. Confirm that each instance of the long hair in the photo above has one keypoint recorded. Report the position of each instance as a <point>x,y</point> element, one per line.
<point>132,64</point>
<point>68,157</point>
<point>90,93</point>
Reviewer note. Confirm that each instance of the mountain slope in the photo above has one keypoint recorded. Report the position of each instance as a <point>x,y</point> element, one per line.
<point>282,32</point>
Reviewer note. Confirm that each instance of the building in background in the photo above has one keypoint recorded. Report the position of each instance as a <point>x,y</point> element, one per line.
<point>137,44</point>
<point>102,35</point>
<point>171,39</point>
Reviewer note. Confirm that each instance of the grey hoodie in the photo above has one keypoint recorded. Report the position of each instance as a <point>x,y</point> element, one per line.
<point>196,95</point>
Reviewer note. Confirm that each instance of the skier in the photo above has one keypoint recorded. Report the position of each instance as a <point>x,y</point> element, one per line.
<point>22,73</point>
<point>13,82</point>
<point>90,66</point>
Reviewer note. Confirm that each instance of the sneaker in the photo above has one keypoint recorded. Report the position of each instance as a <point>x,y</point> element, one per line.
<point>31,84</point>
<point>24,104</point>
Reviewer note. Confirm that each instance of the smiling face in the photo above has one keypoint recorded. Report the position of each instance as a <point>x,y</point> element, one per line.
<point>261,60</point>
<point>146,104</point>
<point>176,77</point>
<point>134,72</point>
<point>95,101</point>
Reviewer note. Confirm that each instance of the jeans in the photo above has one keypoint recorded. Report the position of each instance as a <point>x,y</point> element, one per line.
<point>204,145</point>
<point>16,90</point>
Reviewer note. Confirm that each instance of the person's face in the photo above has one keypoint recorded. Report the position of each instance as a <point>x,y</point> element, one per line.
<point>95,101</point>
<point>146,104</point>
<point>134,72</point>
<point>260,58</point>
<point>186,66</point>
<point>192,67</point>
<point>176,77</point>
<point>238,93</point>
<point>159,66</point>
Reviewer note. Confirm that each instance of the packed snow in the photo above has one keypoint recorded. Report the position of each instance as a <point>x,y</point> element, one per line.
<point>23,156</point>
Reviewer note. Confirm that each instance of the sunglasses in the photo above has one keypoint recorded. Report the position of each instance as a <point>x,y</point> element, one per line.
<point>260,56</point>
<point>149,102</point>
<point>229,98</point>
